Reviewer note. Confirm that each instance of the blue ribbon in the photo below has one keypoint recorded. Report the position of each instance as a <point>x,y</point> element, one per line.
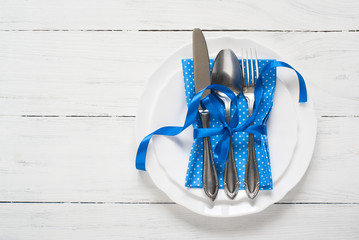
<point>212,104</point>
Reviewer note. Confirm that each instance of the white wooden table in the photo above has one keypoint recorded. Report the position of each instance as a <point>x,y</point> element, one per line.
<point>71,74</point>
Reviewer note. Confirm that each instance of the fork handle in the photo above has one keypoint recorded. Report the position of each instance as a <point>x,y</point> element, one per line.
<point>210,177</point>
<point>251,180</point>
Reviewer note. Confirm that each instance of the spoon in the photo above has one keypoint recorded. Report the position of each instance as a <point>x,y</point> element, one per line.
<point>227,71</point>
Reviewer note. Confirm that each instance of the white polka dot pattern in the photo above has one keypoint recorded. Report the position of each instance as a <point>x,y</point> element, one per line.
<point>240,139</point>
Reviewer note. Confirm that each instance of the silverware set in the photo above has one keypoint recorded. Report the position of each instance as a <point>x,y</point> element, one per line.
<point>239,78</point>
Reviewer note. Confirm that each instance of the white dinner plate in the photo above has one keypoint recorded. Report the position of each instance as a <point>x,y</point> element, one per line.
<point>172,185</point>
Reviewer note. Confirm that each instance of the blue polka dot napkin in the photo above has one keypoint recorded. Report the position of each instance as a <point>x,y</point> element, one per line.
<point>240,140</point>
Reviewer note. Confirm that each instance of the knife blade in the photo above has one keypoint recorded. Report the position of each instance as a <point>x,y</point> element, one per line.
<point>202,79</point>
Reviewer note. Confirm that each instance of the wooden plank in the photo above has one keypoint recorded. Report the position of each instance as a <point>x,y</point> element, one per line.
<point>184,14</point>
<point>59,159</point>
<point>103,73</point>
<point>121,221</point>
<point>92,159</point>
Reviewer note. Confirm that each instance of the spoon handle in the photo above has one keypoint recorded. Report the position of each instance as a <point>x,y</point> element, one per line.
<point>251,181</point>
<point>210,178</point>
<point>231,180</point>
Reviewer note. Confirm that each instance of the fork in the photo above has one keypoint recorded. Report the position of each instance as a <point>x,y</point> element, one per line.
<point>251,178</point>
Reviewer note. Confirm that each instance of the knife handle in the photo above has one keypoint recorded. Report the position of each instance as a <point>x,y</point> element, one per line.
<point>251,180</point>
<point>231,180</point>
<point>210,178</point>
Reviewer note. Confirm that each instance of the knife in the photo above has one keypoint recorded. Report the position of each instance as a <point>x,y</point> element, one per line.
<point>202,78</point>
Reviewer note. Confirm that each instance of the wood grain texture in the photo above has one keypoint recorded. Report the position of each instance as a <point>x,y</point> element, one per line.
<point>121,221</point>
<point>96,73</point>
<point>72,72</point>
<point>183,14</point>
<point>92,160</point>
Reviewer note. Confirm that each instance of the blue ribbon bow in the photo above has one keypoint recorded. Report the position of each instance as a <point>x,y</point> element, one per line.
<point>212,104</point>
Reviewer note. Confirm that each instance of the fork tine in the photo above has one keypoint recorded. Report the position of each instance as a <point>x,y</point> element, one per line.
<point>252,67</point>
<point>257,68</point>
<point>247,66</point>
<point>243,74</point>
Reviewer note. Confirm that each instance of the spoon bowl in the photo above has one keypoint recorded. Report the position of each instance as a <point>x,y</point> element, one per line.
<point>227,71</point>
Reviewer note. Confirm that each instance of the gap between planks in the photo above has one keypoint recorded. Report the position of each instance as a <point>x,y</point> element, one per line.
<point>76,116</point>
<point>148,203</point>
<point>178,30</point>
<point>132,116</point>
